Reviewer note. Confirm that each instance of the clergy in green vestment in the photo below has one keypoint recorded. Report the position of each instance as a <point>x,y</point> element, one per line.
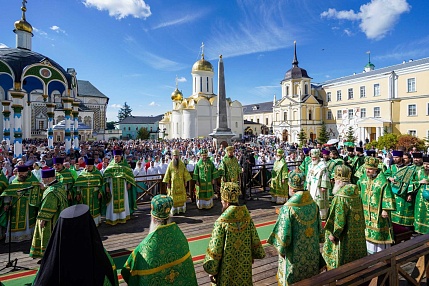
<point>53,202</point>
<point>335,161</point>
<point>163,257</point>
<point>119,185</point>
<point>279,178</point>
<point>345,226</point>
<point>378,202</point>
<point>229,168</point>
<point>234,242</point>
<point>421,207</point>
<point>176,178</point>
<point>296,234</point>
<point>306,160</point>
<point>66,178</point>
<point>89,190</point>
<point>4,183</point>
<point>22,206</point>
<point>400,178</point>
<point>205,174</point>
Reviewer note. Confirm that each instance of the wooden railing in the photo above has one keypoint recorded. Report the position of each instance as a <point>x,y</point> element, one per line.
<point>382,268</point>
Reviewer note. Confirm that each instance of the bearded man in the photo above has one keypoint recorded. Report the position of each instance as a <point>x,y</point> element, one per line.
<point>378,201</point>
<point>421,207</point>
<point>229,169</point>
<point>176,178</point>
<point>19,202</point>
<point>89,189</point>
<point>400,177</point>
<point>345,226</point>
<point>318,182</point>
<point>234,243</point>
<point>155,261</point>
<point>66,178</point>
<point>205,174</point>
<point>279,178</point>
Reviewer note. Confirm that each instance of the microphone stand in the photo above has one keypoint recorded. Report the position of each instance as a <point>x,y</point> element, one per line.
<point>13,263</point>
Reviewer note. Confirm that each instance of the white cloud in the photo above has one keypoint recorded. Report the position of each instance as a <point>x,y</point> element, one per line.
<point>115,105</point>
<point>348,32</point>
<point>180,21</point>
<point>153,103</point>
<point>377,18</point>
<point>57,29</point>
<point>259,26</point>
<point>3,46</point>
<point>121,8</point>
<point>181,79</point>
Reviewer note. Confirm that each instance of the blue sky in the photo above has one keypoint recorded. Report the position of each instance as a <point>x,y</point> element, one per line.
<point>133,50</point>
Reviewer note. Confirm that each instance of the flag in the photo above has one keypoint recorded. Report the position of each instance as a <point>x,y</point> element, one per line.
<point>368,52</point>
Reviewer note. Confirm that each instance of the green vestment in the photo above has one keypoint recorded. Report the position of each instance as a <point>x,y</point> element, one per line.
<point>53,202</point>
<point>162,258</point>
<point>204,173</point>
<point>177,178</point>
<point>88,185</point>
<point>421,207</point>
<point>377,196</point>
<point>120,174</point>
<point>230,170</point>
<point>296,238</point>
<point>233,246</point>
<point>3,185</point>
<point>404,213</point>
<point>279,179</point>
<point>31,200</point>
<point>346,223</point>
<point>304,167</point>
<point>67,180</point>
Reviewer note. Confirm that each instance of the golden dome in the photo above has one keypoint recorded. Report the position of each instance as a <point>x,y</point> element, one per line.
<point>202,65</point>
<point>23,25</point>
<point>176,95</point>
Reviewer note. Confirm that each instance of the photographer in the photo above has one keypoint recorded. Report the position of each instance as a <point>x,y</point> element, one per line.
<point>247,162</point>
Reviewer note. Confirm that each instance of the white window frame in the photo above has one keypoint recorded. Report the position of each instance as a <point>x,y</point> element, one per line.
<point>411,84</point>
<point>350,112</point>
<point>363,112</point>
<point>408,109</point>
<point>338,95</point>
<point>376,89</point>
<point>329,96</point>
<point>379,112</point>
<point>339,114</point>
<point>329,115</point>
<point>362,92</point>
<point>412,132</point>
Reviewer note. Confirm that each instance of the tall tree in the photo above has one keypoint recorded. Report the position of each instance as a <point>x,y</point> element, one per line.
<point>124,112</point>
<point>350,135</point>
<point>302,137</point>
<point>110,125</point>
<point>323,134</point>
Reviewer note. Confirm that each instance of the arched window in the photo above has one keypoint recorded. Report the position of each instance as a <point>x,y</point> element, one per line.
<point>287,90</point>
<point>201,84</point>
<point>310,115</point>
<point>306,89</point>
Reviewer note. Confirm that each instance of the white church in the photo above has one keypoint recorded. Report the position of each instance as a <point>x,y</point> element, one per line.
<point>195,116</point>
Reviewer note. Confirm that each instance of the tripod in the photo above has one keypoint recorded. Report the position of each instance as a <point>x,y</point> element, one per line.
<point>13,263</point>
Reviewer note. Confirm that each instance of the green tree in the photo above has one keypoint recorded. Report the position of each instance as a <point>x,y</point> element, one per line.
<point>323,134</point>
<point>110,125</point>
<point>143,133</point>
<point>302,137</point>
<point>388,141</point>
<point>350,135</point>
<point>124,112</point>
<point>385,130</point>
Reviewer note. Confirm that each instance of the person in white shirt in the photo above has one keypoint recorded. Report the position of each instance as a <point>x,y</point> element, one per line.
<point>15,173</point>
<point>163,167</point>
<point>139,175</point>
<point>152,170</point>
<point>37,171</point>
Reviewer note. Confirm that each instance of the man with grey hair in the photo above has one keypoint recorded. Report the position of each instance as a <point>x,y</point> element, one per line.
<point>318,182</point>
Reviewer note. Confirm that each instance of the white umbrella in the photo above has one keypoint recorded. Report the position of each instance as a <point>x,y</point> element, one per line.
<point>332,141</point>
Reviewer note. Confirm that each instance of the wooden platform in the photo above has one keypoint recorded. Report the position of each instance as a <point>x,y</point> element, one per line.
<point>196,222</point>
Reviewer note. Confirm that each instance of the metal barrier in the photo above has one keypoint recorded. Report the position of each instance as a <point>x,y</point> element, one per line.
<point>382,268</point>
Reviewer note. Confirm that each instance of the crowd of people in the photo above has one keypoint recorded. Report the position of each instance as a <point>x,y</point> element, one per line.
<point>366,199</point>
